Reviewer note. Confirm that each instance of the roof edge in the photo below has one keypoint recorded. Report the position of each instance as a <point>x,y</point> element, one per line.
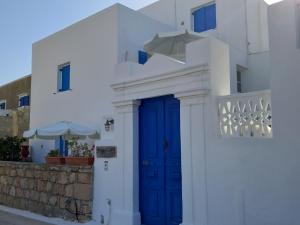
<point>14,81</point>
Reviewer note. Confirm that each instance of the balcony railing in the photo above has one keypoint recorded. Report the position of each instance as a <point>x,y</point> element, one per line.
<point>246,115</point>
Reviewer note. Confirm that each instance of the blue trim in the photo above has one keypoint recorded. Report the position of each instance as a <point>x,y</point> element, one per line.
<point>143,57</point>
<point>64,78</point>
<point>210,13</point>
<point>24,101</point>
<point>205,18</point>
<point>62,145</point>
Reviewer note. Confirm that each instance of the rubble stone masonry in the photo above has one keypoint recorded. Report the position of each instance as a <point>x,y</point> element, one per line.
<point>53,191</point>
<point>15,122</point>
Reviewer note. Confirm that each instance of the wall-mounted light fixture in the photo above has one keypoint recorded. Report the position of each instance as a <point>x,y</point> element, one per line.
<point>109,125</point>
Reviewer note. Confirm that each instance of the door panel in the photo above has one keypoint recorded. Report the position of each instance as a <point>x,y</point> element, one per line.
<point>151,162</point>
<point>160,162</point>
<point>173,162</point>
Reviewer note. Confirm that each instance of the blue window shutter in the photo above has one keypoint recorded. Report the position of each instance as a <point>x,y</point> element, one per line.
<point>205,18</point>
<point>26,100</point>
<point>199,20</point>
<point>210,14</point>
<point>60,80</point>
<point>63,79</point>
<point>66,78</point>
<point>143,57</point>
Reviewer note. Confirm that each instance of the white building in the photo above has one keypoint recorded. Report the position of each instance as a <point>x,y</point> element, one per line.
<point>205,154</point>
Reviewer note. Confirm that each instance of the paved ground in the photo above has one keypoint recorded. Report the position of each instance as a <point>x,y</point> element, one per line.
<point>11,219</point>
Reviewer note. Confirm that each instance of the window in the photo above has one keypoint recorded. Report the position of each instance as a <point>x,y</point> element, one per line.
<point>2,104</point>
<point>24,100</point>
<point>63,81</point>
<point>239,81</point>
<point>205,18</point>
<point>143,57</point>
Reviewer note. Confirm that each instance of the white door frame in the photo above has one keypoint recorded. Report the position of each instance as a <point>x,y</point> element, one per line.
<point>190,85</point>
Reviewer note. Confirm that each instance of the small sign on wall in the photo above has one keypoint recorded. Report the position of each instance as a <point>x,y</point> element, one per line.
<point>106,151</point>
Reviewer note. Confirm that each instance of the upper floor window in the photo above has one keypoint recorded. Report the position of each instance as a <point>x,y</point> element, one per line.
<point>143,57</point>
<point>205,18</point>
<point>64,75</point>
<point>2,104</point>
<point>24,100</point>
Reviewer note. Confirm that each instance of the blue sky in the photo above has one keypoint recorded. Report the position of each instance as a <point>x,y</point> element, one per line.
<point>23,22</point>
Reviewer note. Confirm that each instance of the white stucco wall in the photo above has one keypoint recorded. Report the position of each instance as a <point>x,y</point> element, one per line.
<point>216,54</point>
<point>249,181</point>
<point>238,21</point>
<point>83,45</point>
<point>258,75</point>
<point>93,47</point>
<point>134,30</point>
<point>255,181</point>
<point>243,24</point>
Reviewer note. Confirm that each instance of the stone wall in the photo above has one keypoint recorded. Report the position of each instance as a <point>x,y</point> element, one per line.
<point>6,125</point>
<point>11,91</point>
<point>22,121</point>
<point>14,122</point>
<point>52,191</point>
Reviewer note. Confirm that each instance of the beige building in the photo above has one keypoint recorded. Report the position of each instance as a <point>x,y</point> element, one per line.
<point>15,107</point>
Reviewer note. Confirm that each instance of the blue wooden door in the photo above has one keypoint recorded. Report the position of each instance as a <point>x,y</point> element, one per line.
<point>160,162</point>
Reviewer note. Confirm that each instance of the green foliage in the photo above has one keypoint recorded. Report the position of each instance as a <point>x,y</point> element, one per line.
<point>80,149</point>
<point>53,153</point>
<point>10,148</point>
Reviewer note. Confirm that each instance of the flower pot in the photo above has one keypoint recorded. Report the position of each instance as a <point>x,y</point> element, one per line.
<point>80,161</point>
<point>25,151</point>
<point>55,160</point>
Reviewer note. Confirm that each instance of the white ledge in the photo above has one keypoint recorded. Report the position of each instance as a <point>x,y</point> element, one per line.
<point>137,80</point>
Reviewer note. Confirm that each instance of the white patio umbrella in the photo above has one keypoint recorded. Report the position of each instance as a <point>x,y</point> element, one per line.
<point>171,44</point>
<point>65,129</point>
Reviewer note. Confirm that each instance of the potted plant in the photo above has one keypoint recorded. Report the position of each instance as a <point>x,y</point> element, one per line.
<point>81,154</point>
<point>54,158</point>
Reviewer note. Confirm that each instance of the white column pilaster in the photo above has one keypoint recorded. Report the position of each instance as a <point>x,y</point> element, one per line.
<point>193,152</point>
<point>127,139</point>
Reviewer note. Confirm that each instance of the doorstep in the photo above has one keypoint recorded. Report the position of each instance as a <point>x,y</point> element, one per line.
<point>11,216</point>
